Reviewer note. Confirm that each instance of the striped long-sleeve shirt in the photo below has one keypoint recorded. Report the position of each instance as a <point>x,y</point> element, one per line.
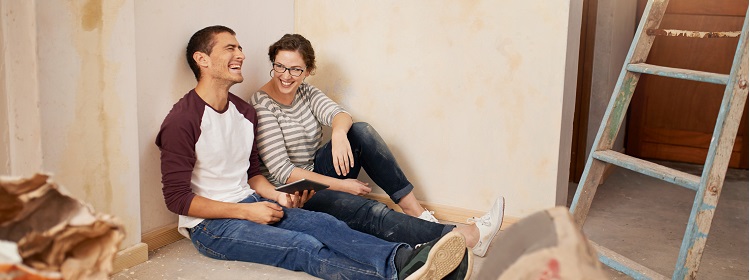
<point>288,136</point>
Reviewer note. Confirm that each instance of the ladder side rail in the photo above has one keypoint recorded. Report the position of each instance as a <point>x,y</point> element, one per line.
<point>717,161</point>
<point>613,118</point>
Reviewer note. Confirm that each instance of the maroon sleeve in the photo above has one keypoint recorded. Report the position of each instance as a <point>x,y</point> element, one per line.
<point>176,141</point>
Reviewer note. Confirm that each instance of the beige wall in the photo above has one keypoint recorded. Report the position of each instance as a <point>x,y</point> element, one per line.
<point>473,97</point>
<point>470,95</point>
<point>20,127</point>
<point>86,71</point>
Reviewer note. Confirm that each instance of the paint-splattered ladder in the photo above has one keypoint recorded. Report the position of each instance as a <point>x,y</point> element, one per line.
<point>708,185</point>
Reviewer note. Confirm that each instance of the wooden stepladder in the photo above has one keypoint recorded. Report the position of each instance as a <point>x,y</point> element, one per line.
<point>708,185</point>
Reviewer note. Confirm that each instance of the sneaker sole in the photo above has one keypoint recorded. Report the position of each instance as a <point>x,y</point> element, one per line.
<point>443,258</point>
<point>470,267</point>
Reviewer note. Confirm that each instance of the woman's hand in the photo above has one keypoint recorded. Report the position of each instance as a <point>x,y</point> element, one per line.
<point>341,150</point>
<point>354,186</point>
<point>296,200</point>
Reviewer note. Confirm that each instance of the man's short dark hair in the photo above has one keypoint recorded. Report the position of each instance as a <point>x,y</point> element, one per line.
<point>203,41</point>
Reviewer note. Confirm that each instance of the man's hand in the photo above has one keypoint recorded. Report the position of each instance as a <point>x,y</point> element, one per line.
<point>263,212</point>
<point>295,200</point>
<point>354,186</point>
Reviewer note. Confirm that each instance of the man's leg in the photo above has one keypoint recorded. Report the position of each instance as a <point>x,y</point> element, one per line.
<point>303,240</point>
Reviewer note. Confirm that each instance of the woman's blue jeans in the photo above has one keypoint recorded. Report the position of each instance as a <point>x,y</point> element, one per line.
<point>312,242</point>
<point>366,215</point>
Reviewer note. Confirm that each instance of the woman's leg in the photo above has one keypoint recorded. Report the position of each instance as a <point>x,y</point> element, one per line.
<point>375,218</point>
<point>371,153</point>
<point>303,240</point>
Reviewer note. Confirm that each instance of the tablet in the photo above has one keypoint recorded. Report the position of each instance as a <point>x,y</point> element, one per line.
<point>300,186</point>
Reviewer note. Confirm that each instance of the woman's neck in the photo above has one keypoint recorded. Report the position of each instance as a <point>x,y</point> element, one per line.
<point>285,99</point>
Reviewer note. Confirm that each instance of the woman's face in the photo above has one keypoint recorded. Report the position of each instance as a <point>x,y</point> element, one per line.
<point>289,70</point>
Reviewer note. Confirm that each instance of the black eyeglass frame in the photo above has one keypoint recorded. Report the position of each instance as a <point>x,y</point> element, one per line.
<point>280,68</point>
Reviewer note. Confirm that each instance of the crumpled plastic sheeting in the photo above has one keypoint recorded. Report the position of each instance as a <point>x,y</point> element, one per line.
<point>57,236</point>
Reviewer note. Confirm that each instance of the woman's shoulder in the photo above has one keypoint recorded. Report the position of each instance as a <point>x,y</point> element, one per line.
<point>308,91</point>
<point>260,97</point>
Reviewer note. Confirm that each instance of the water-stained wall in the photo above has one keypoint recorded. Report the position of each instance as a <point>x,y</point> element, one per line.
<point>470,95</point>
<point>87,90</point>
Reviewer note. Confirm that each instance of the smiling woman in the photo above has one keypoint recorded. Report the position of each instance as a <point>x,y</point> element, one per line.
<point>291,114</point>
<point>294,157</point>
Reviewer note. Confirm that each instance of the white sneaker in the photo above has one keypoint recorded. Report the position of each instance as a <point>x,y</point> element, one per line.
<point>489,226</point>
<point>427,215</point>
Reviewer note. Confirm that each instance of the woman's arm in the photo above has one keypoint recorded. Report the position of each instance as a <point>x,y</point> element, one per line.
<point>341,150</point>
<point>352,186</point>
<point>264,188</point>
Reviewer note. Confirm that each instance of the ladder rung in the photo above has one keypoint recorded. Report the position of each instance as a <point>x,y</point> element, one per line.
<point>625,265</point>
<point>661,172</point>
<point>693,34</point>
<point>678,73</point>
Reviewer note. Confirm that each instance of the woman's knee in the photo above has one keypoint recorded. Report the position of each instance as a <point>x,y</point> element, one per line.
<point>361,128</point>
<point>365,133</point>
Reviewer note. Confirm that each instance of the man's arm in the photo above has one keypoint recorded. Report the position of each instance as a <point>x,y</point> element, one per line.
<point>259,212</point>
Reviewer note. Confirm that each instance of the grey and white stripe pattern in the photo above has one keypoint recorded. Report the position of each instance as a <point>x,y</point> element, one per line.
<point>288,136</point>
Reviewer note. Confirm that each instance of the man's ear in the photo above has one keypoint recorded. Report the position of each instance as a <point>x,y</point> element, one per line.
<point>201,59</point>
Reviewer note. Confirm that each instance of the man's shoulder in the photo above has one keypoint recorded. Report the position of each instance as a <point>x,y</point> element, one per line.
<point>185,110</point>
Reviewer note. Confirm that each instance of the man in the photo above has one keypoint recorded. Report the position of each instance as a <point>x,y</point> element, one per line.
<point>229,211</point>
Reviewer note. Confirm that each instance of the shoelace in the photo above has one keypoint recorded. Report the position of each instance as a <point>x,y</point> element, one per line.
<point>419,245</point>
<point>485,220</point>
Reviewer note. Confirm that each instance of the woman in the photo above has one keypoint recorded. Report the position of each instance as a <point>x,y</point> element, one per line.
<point>290,118</point>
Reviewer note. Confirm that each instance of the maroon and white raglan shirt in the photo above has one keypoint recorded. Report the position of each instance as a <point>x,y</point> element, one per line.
<point>208,153</point>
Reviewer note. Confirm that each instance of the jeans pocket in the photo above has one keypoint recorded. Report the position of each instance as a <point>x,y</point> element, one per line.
<point>203,239</point>
<point>208,252</point>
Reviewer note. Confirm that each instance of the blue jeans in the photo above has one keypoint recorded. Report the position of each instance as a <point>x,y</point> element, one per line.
<point>366,215</point>
<point>315,243</point>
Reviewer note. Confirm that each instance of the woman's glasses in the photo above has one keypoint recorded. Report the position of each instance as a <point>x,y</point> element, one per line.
<point>279,68</point>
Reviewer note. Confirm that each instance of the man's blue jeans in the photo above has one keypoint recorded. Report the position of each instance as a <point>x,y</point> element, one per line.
<point>316,243</point>
<point>366,215</point>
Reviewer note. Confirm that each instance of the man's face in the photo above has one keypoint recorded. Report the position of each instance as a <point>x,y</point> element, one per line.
<point>225,61</point>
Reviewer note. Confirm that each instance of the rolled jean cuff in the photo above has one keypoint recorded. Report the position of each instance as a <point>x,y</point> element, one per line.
<point>398,195</point>
<point>447,229</point>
